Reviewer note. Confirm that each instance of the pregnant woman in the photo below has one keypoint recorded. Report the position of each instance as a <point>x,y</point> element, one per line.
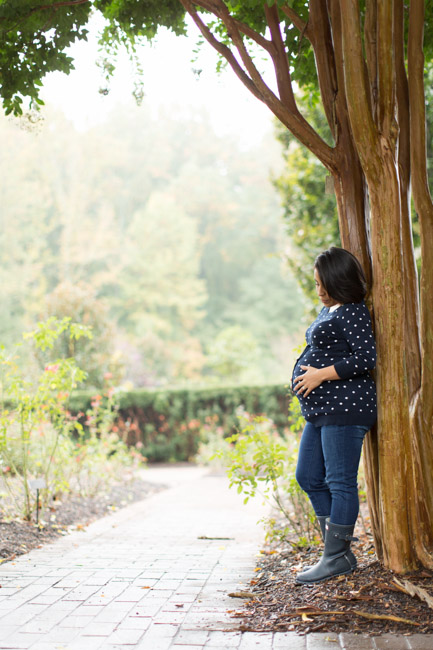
<point>337,394</point>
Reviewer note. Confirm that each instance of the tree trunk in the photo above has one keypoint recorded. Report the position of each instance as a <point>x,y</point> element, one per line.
<point>352,206</point>
<point>397,459</point>
<point>422,403</point>
<point>393,449</point>
<point>399,503</point>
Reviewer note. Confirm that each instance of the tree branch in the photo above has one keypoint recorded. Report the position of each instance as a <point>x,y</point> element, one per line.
<point>214,8</point>
<point>370,40</point>
<point>229,22</point>
<point>417,101</point>
<point>363,127</point>
<point>300,24</point>
<point>222,49</point>
<point>325,62</point>
<point>293,120</point>
<point>280,60</point>
<point>421,192</point>
<point>402,91</point>
<point>386,70</point>
<point>410,286</point>
<point>354,224</point>
<point>255,36</point>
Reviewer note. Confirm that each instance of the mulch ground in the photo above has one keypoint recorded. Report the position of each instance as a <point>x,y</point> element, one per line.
<point>73,513</point>
<point>370,600</point>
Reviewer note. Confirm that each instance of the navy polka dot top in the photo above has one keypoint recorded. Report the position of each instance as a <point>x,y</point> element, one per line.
<point>344,339</point>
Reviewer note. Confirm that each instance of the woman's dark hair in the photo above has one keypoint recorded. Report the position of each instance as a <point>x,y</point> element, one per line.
<point>341,275</point>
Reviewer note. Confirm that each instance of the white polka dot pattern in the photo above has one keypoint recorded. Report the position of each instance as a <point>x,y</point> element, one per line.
<point>344,339</point>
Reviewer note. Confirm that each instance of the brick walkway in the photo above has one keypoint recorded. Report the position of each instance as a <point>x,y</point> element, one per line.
<point>151,577</point>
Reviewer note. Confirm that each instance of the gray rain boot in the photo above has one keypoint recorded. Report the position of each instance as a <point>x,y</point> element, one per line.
<point>337,558</point>
<point>322,522</point>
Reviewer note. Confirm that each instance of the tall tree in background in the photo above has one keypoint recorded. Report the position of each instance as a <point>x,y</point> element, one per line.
<point>175,261</point>
<point>374,105</point>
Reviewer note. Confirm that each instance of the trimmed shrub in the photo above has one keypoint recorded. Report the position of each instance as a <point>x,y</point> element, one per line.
<point>165,424</point>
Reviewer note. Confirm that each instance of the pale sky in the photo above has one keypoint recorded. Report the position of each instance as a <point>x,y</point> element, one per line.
<point>169,80</point>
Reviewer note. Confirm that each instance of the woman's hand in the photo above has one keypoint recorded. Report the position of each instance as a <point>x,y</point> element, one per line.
<point>312,378</point>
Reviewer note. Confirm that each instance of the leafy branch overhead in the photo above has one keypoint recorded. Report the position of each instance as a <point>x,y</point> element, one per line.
<point>295,36</point>
<point>34,37</point>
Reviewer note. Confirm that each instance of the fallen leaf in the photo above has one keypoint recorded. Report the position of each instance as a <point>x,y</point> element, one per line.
<point>413,590</point>
<point>217,538</point>
<point>241,594</point>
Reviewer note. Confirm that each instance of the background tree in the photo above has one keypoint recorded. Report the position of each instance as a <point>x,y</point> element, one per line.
<point>356,54</point>
<point>170,258</point>
<point>232,354</point>
<point>96,355</point>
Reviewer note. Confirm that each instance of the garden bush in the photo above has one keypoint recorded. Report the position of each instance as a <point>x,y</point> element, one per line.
<point>260,459</point>
<point>168,424</point>
<point>40,439</point>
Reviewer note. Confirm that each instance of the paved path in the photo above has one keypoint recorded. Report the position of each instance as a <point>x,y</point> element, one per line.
<point>148,577</point>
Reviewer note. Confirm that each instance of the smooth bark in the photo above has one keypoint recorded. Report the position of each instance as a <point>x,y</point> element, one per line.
<point>400,510</point>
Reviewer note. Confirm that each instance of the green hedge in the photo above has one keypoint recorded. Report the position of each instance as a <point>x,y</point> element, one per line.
<point>167,422</point>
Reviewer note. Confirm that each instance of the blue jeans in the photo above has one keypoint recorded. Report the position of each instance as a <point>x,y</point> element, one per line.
<point>327,469</point>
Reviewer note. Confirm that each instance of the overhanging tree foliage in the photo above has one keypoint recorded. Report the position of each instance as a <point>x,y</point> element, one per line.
<point>367,59</point>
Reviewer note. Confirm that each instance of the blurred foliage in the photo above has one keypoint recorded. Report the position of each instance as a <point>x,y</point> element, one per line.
<point>159,287</point>
<point>233,353</point>
<point>39,439</point>
<point>93,355</point>
<point>160,247</point>
<point>84,214</point>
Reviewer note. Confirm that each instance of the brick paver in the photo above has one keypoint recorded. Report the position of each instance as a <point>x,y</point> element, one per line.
<point>154,576</point>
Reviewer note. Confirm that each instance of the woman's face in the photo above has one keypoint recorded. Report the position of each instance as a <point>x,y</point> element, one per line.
<point>322,293</point>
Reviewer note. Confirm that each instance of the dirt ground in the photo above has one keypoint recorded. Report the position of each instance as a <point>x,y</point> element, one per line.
<point>370,600</point>
<point>70,513</point>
